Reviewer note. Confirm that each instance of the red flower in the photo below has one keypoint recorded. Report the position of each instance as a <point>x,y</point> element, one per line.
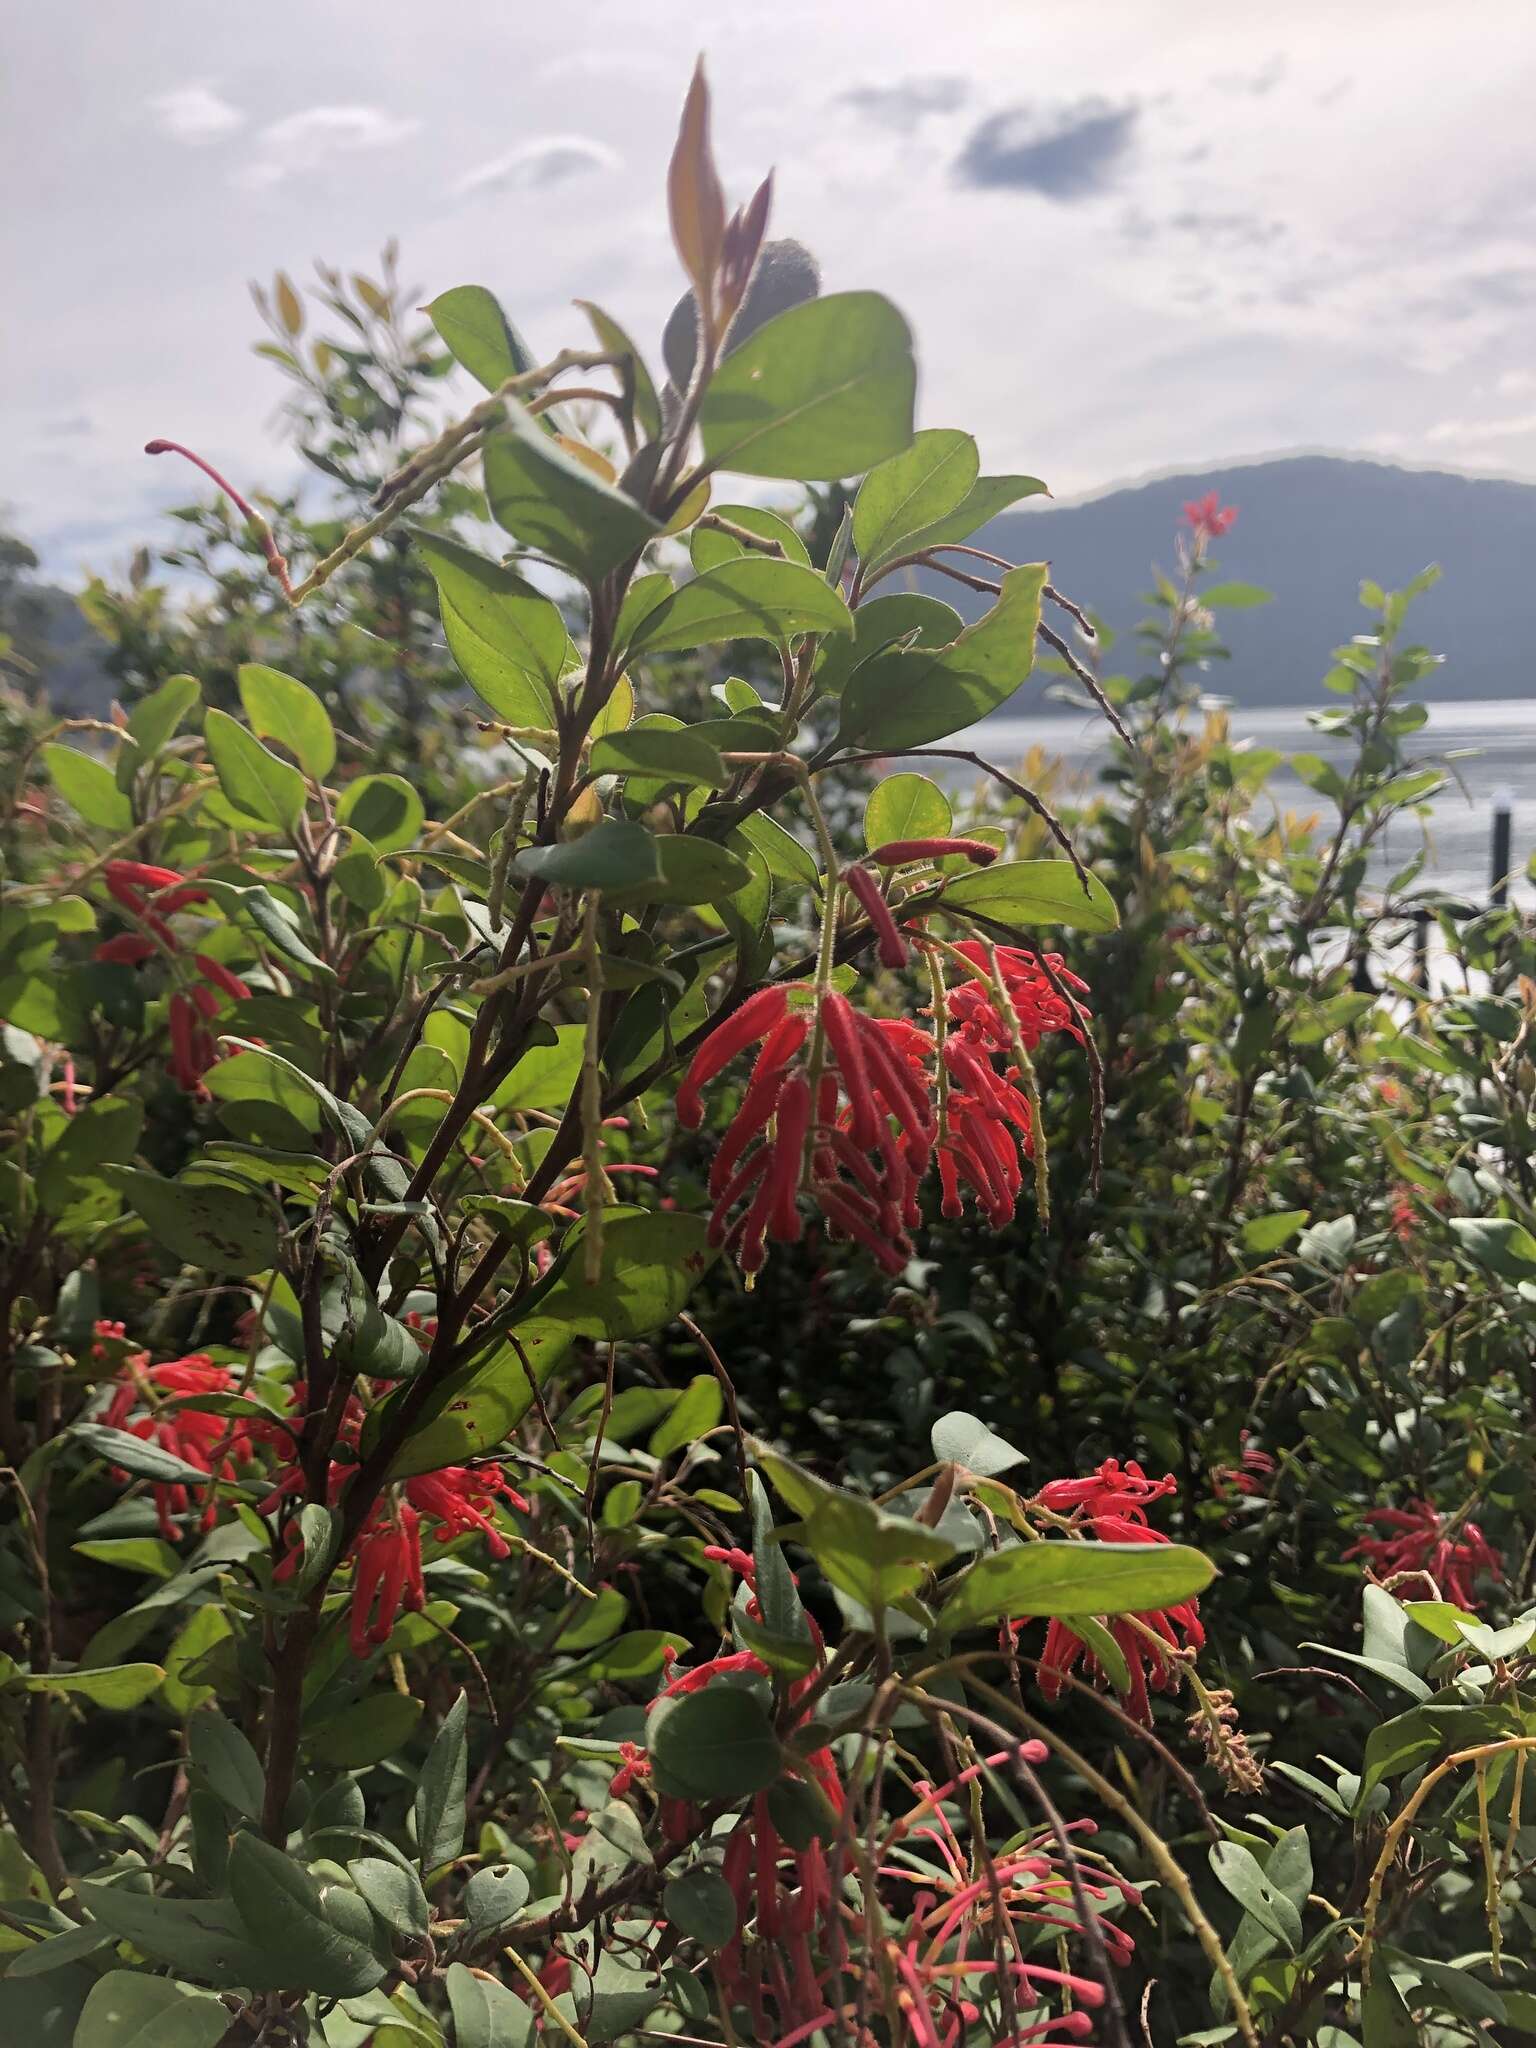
<point>1251,1476</point>
<point>461,1498</point>
<point>213,1443</point>
<point>1446,1559</point>
<point>1112,1502</point>
<point>194,1048</point>
<point>1209,518</point>
<point>387,1575</point>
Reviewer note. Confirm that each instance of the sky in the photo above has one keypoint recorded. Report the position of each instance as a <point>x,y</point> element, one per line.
<point>1131,237</point>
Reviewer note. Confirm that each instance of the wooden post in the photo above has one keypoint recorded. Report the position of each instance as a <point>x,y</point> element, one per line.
<point>1498,880</point>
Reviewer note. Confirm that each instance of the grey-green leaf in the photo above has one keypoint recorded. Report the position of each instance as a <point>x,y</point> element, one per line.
<point>552,503</point>
<point>439,1807</point>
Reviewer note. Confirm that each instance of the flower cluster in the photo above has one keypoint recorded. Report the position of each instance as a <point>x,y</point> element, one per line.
<point>972,1919</point>
<point>1445,1557</point>
<point>1112,1502</point>
<point>1208,519</point>
<point>853,1109</point>
<point>149,1402</point>
<point>151,896</point>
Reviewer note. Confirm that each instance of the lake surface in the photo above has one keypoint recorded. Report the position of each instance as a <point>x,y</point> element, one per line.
<point>1490,744</point>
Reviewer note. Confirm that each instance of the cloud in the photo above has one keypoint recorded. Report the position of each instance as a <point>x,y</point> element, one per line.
<point>906,100</point>
<point>1257,83</point>
<point>194,114</point>
<point>1064,153</point>
<point>1227,230</point>
<point>306,141</point>
<point>69,428</point>
<point>547,160</point>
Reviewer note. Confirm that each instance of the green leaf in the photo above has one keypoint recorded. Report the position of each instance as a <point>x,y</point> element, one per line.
<point>673,757</point>
<point>708,546</point>
<point>101,1133</point>
<point>786,859</point>
<point>136,1454</point>
<point>250,775</point>
<point>224,1760</point>
<point>909,617</point>
<point>692,871</point>
<point>199,1937</point>
<point>485,2014</point>
<point>385,809</point>
<point>394,1896</point>
<point>611,336</point>
<point>550,502</point>
<point>988,496</point>
<point>875,1557</point>
<point>367,1732</point>
<point>923,484</point>
<point>696,1411</point>
<point>440,1790</point>
<point>88,786</point>
<point>496,1895</point>
<point>613,855</point>
<point>1031,892</point>
<point>202,1221</point>
<point>510,641</point>
<point>1239,1872</point>
<point>128,2009</point>
<point>700,1903</point>
<point>1411,1739</point>
<point>714,1744</point>
<point>283,709</point>
<point>274,919</point>
<point>1233,597</point>
<point>319,1532</point>
<point>822,391</point>
<point>753,597</point>
<point>1504,1246</point>
<point>118,1686</point>
<point>154,719</point>
<point>279,1903</point>
<point>906,807</point>
<point>148,1554</point>
<point>1267,1233</point>
<point>650,1262</point>
<point>46,1956</point>
<point>907,697</point>
<point>1051,1578</point>
<point>477,333</point>
<point>1385,2021</point>
<point>964,1439</point>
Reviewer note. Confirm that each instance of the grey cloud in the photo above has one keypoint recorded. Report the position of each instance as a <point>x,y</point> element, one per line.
<point>1064,153</point>
<point>906,100</point>
<point>68,428</point>
<point>1509,290</point>
<point>1229,230</point>
<point>1257,83</point>
<point>547,160</point>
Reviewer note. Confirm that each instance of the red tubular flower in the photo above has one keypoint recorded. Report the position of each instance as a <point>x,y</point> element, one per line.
<point>862,885</point>
<point>753,1021</point>
<point>386,1576</point>
<point>127,949</point>
<point>139,874</point>
<point>221,977</point>
<point>213,1443</point>
<point>1445,1557</point>
<point>1112,1502</point>
<point>897,851</point>
<point>1208,517</point>
<point>460,1498</point>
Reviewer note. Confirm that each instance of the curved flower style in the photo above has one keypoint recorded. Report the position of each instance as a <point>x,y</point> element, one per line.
<point>212,1443</point>
<point>1445,1556</point>
<point>194,1048</point>
<point>857,1119</point>
<point>1112,1502</point>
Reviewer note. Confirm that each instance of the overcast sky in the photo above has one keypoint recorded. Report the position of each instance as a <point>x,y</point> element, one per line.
<point>1130,237</point>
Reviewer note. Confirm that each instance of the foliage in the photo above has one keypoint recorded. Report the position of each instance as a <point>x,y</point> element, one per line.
<point>629,1410</point>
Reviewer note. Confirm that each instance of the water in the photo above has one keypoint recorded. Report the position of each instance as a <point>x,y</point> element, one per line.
<point>1489,743</point>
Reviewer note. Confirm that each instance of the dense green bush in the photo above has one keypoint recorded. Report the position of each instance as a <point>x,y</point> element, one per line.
<point>667,1393</point>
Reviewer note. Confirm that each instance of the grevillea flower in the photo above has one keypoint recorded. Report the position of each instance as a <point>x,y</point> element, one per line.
<point>854,1123</point>
<point>196,998</point>
<point>1251,1476</point>
<point>1112,1502</point>
<point>1446,1556</point>
<point>213,1443</point>
<point>896,852</point>
<point>1208,518</point>
<point>988,1122</point>
<point>858,1135</point>
<point>788,1937</point>
<point>971,1918</point>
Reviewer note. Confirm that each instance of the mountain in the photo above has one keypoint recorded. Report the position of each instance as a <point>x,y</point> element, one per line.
<point>1309,528</point>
